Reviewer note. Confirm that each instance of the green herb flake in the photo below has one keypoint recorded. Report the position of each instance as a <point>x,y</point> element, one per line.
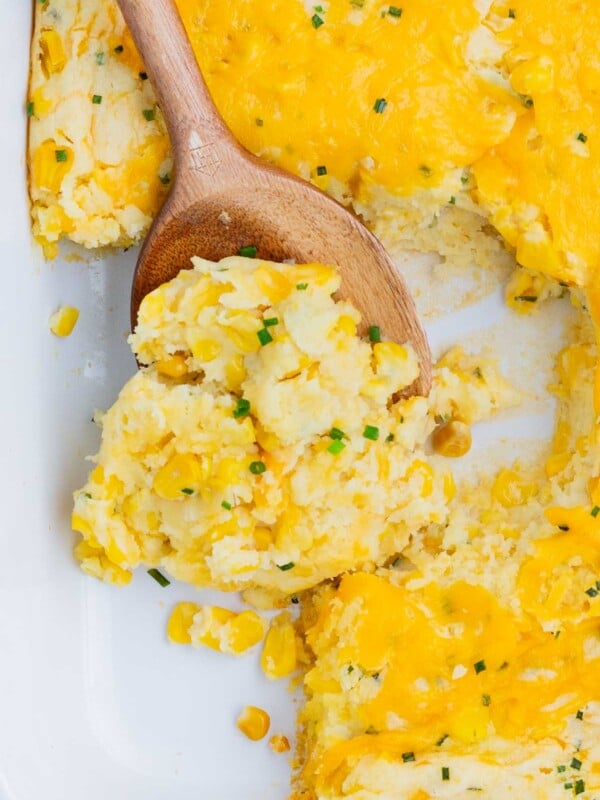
<point>60,155</point>
<point>264,337</point>
<point>30,108</point>
<point>371,432</point>
<point>336,433</point>
<point>445,773</point>
<point>165,179</point>
<point>294,599</point>
<point>87,495</point>
<point>511,13</point>
<point>149,114</point>
<point>568,785</point>
<point>319,9</point>
<point>257,467</point>
<point>441,740</point>
<point>143,76</point>
<point>96,99</point>
<point>285,567</point>
<point>302,287</point>
<point>452,201</point>
<point>425,170</point>
<point>336,447</point>
<point>579,786</point>
<point>371,731</point>
<point>322,170</point>
<point>317,21</point>
<point>242,408</point>
<point>595,511</point>
<point>249,251</point>
<point>187,491</point>
<point>374,333</point>
<point>380,105</point>
<point>563,528</point>
<point>119,49</point>
<point>159,577</point>
<point>576,763</point>
<point>526,298</point>
<point>561,768</point>
<point>268,323</point>
<point>581,137</point>
<point>100,58</point>
<point>259,122</point>
<point>394,11</point>
<point>579,714</point>
<point>406,757</point>
<point>526,100</point>
<point>486,700</point>
<point>592,591</point>
<point>390,437</point>
<point>226,505</point>
<point>479,666</point>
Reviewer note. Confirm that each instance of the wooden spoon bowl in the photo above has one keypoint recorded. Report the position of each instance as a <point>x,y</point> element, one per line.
<point>224,198</point>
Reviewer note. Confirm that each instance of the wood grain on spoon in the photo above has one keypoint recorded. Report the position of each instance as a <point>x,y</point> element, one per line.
<point>223,198</point>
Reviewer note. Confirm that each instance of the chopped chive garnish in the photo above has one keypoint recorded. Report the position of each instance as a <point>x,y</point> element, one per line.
<point>322,170</point>
<point>441,740</point>
<point>464,179</point>
<point>486,699</point>
<point>336,447</point>
<point>425,170</point>
<point>579,714</point>
<point>187,491</point>
<point>380,105</point>
<point>96,99</point>
<point>149,114</point>
<point>294,599</point>
<point>579,786</point>
<point>568,785</point>
<point>561,768</point>
<point>576,763</point>
<point>159,577</point>
<point>319,9</point>
<point>581,137</point>
<point>526,298</point>
<point>119,48</point>
<point>165,179</point>
<point>375,333</point>
<point>264,337</point>
<point>452,201</point>
<point>249,251</point>
<point>371,731</point>
<point>301,286</point>
<point>268,323</point>
<point>511,13</point>
<point>592,591</point>
<point>394,11</point>
<point>595,511</point>
<point>242,408</point>
<point>285,567</point>
<point>100,58</point>
<point>257,467</point>
<point>317,21</point>
<point>259,122</point>
<point>445,773</point>
<point>61,155</point>
<point>479,666</point>
<point>563,528</point>
<point>526,100</point>
<point>406,757</point>
<point>390,437</point>
<point>143,76</point>
<point>226,505</point>
<point>336,433</point>
<point>30,108</point>
<point>371,432</point>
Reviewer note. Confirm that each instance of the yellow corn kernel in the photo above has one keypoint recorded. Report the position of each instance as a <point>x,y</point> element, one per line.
<point>279,743</point>
<point>152,306</point>
<point>470,724</point>
<point>278,657</point>
<point>419,467</point>
<point>50,249</point>
<point>173,367</point>
<point>206,293</point>
<point>205,349</point>
<point>510,490</point>
<point>97,474</point>
<point>389,352</point>
<point>53,54</point>
<point>180,621</point>
<point>272,283</point>
<point>50,164</point>
<point>556,463</point>
<point>346,325</point>
<point>207,628</point>
<point>41,104</point>
<point>226,473</point>
<point>242,329</point>
<point>79,524</point>
<point>263,538</point>
<point>235,373</point>
<point>449,486</point>
<point>62,322</point>
<point>94,562</point>
<point>244,631</point>
<point>182,475</point>
<point>114,487</point>
<point>268,441</point>
<point>254,723</point>
<point>316,274</point>
<point>534,76</point>
<point>452,439</point>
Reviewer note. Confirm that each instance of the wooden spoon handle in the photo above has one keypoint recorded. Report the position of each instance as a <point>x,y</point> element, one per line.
<point>201,141</point>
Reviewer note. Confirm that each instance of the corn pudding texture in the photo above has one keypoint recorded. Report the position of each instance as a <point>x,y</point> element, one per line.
<point>463,112</point>
<point>263,446</point>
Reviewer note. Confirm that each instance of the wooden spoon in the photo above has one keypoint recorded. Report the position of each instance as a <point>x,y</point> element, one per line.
<point>224,198</point>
